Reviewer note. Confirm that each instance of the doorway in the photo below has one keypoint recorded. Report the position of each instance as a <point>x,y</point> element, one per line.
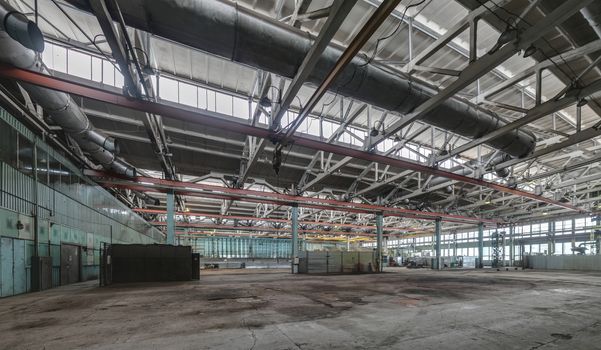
<point>70,264</point>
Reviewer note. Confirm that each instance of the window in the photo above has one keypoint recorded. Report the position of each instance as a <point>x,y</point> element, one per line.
<point>328,128</point>
<point>211,100</point>
<point>188,94</point>
<point>79,64</point>
<point>108,73</point>
<point>202,98</point>
<point>96,69</point>
<point>223,104</point>
<point>59,58</point>
<point>240,107</point>
<point>168,89</point>
<point>313,126</point>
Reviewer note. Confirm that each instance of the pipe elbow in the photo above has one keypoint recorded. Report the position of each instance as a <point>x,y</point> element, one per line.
<point>24,31</point>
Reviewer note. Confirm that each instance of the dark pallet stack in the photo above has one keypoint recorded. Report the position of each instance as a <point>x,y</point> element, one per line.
<point>124,263</point>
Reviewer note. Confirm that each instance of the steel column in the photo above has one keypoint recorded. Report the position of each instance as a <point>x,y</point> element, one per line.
<point>480,245</point>
<point>511,245</point>
<point>551,238</point>
<point>170,217</point>
<point>597,236</point>
<point>294,244</point>
<point>437,232</point>
<point>379,231</point>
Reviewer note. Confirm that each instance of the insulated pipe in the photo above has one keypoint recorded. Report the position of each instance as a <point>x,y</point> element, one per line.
<point>235,33</point>
<point>21,29</point>
<point>16,38</point>
<point>592,13</point>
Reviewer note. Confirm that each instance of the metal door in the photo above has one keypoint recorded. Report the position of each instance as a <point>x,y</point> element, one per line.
<point>70,264</point>
<point>6,265</point>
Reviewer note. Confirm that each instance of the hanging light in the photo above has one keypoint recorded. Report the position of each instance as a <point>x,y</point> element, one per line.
<point>276,163</point>
<point>583,102</point>
<point>508,35</point>
<point>265,102</point>
<point>374,132</point>
<point>531,50</point>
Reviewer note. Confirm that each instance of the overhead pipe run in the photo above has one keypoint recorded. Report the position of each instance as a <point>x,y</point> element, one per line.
<point>235,33</point>
<point>20,44</point>
<point>592,13</point>
<point>18,27</point>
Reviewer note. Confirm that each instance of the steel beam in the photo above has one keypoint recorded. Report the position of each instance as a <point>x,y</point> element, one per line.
<point>379,232</point>
<point>374,22</point>
<point>339,131</point>
<point>548,63</point>
<point>332,169</point>
<point>337,14</point>
<point>214,191</point>
<point>135,82</point>
<point>294,234</point>
<point>437,232</point>
<point>274,220</point>
<point>216,120</point>
<point>480,245</point>
<point>396,148</point>
<point>269,229</point>
<point>100,10</point>
<point>564,169</point>
<point>569,141</point>
<point>450,34</point>
<point>488,62</point>
<point>535,113</point>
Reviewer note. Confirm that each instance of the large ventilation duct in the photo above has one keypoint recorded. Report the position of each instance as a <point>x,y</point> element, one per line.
<point>592,13</point>
<point>19,38</point>
<point>227,30</point>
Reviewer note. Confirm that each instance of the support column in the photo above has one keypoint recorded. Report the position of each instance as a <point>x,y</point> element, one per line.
<point>573,236</point>
<point>437,230</point>
<point>511,245</point>
<point>455,245</point>
<point>379,232</point>
<point>597,234</point>
<point>294,244</point>
<point>35,276</point>
<point>480,245</point>
<point>551,238</point>
<point>170,218</point>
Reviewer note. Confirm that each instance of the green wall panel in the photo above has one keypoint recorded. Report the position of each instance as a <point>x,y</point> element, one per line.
<point>70,209</point>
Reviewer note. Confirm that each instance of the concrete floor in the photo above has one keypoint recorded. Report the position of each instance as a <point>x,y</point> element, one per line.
<point>400,309</point>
